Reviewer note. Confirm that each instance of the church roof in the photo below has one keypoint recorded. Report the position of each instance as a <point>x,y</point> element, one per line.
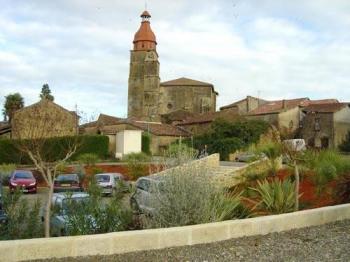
<point>185,82</point>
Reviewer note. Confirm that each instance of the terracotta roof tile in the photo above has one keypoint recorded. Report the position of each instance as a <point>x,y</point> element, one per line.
<point>239,101</point>
<point>109,123</point>
<point>160,129</point>
<point>321,101</point>
<point>278,106</point>
<point>210,117</point>
<point>108,120</point>
<point>185,82</point>
<point>325,108</point>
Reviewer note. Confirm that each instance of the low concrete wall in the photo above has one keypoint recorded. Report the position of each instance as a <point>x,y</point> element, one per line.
<point>122,242</point>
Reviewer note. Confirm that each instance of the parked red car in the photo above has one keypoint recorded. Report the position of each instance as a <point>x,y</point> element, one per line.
<point>24,180</point>
<point>67,182</point>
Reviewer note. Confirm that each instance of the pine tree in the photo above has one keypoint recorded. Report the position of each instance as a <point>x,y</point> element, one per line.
<point>46,93</point>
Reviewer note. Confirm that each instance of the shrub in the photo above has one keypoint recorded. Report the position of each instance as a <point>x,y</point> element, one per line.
<point>136,164</point>
<point>23,219</point>
<point>53,150</point>
<point>88,159</point>
<point>276,197</point>
<point>80,171</point>
<point>179,154</point>
<point>146,143</point>
<point>226,146</point>
<point>187,196</point>
<point>5,172</point>
<point>93,217</point>
<point>327,165</point>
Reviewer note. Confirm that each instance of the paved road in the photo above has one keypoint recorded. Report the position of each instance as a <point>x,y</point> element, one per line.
<point>233,164</point>
<point>330,242</point>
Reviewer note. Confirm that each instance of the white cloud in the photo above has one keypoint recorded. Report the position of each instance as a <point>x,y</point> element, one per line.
<point>81,48</point>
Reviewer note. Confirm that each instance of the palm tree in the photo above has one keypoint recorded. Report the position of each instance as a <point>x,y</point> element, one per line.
<point>13,102</point>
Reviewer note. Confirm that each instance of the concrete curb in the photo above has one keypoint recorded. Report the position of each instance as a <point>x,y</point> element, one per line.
<point>129,241</point>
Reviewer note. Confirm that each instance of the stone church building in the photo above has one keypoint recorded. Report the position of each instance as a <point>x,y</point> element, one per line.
<point>148,98</point>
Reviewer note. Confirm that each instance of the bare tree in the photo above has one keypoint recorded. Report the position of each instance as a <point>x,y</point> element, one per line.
<point>38,132</point>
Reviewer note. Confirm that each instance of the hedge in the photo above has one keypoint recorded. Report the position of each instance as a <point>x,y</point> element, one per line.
<point>54,148</point>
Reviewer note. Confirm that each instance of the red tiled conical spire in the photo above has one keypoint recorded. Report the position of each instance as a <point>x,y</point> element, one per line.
<point>144,38</point>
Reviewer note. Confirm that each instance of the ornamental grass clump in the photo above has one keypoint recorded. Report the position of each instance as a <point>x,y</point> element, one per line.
<point>327,165</point>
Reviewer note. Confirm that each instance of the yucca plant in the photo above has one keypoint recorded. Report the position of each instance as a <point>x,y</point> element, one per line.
<point>275,197</point>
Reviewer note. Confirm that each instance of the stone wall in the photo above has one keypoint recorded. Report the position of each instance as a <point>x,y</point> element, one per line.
<point>195,99</point>
<point>341,126</point>
<point>326,129</point>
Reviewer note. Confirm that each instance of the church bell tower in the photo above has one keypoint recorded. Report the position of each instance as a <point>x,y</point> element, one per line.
<point>144,81</point>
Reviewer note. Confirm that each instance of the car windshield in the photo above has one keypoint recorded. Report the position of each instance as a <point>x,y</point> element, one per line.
<point>103,178</point>
<point>73,204</point>
<point>23,175</point>
<point>67,177</point>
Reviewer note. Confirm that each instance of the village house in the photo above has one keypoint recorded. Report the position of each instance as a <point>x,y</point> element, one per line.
<point>161,135</point>
<point>42,119</point>
<point>325,125</point>
<point>245,105</point>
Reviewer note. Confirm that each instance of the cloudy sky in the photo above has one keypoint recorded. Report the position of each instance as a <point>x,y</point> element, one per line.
<point>267,48</point>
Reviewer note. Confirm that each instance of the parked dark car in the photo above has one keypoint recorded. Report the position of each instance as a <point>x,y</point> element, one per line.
<point>24,180</point>
<point>67,182</point>
<point>3,216</point>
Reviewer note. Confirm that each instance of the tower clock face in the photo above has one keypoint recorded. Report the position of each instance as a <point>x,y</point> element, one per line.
<point>151,56</point>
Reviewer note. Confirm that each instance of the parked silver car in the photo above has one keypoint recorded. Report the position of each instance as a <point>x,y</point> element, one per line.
<point>60,202</point>
<point>109,182</point>
<point>144,195</point>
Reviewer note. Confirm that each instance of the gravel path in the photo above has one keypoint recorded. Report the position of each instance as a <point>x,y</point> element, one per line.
<point>329,242</point>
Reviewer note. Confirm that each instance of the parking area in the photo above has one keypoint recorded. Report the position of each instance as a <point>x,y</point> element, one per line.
<point>42,193</point>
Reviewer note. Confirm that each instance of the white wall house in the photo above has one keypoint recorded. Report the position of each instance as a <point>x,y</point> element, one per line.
<point>128,141</point>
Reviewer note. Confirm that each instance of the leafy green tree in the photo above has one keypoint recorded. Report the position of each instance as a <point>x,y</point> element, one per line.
<point>226,137</point>
<point>13,102</point>
<point>46,93</point>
